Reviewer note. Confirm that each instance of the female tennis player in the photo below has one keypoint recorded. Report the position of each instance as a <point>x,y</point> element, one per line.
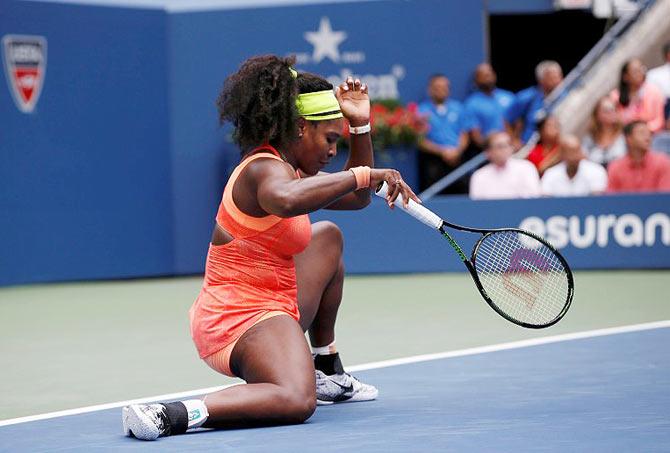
<point>270,275</point>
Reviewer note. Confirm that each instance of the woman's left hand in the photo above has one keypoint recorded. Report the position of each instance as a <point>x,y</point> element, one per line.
<point>354,101</point>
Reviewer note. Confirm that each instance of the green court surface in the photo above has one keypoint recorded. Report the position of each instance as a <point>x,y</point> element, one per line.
<point>78,344</point>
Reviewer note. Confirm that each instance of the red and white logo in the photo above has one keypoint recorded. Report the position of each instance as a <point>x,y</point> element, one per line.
<point>25,59</point>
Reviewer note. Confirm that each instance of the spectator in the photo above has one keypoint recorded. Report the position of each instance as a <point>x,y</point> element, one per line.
<point>605,141</point>
<point>446,139</point>
<point>640,170</point>
<point>546,154</point>
<point>660,76</point>
<point>504,176</point>
<point>575,175</point>
<point>524,112</point>
<point>487,106</point>
<point>638,100</point>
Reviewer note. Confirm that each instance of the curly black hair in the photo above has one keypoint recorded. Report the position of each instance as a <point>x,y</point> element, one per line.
<point>259,100</point>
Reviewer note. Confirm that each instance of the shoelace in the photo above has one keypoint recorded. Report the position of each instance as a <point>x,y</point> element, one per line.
<point>159,417</point>
<point>344,379</point>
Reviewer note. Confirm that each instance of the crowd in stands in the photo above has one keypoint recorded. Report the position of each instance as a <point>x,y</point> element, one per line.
<point>626,147</point>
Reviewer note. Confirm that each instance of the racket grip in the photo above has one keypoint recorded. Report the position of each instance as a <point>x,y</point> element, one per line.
<point>421,213</point>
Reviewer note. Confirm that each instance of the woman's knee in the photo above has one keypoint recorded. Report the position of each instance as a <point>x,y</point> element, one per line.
<point>297,406</point>
<point>330,234</point>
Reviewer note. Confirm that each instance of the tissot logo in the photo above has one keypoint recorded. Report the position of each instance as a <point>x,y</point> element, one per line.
<point>330,43</point>
<point>25,60</point>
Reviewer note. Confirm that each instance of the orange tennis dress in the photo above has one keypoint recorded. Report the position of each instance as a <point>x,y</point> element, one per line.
<point>250,278</point>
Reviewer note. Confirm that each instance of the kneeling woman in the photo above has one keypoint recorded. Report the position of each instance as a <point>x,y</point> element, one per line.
<point>270,275</point>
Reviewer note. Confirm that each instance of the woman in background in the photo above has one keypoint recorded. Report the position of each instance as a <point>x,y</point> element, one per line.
<point>546,153</point>
<point>605,141</point>
<point>638,100</point>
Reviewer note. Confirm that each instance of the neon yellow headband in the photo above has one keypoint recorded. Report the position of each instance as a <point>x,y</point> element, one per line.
<point>318,106</point>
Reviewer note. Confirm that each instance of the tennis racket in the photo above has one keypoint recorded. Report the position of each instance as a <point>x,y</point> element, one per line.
<point>519,274</point>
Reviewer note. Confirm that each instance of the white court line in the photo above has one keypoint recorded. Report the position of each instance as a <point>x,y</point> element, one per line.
<point>511,345</point>
<point>365,366</point>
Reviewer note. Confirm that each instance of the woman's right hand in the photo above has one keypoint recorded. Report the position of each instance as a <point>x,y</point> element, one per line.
<point>396,185</point>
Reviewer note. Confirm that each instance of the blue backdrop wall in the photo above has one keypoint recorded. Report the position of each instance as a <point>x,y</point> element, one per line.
<point>85,179</point>
<point>607,232</point>
<point>119,169</point>
<point>206,46</point>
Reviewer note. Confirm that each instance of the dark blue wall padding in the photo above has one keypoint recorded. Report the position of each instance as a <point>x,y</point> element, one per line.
<point>119,170</point>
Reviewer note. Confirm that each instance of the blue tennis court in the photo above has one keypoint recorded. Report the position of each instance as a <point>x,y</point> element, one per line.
<point>600,393</point>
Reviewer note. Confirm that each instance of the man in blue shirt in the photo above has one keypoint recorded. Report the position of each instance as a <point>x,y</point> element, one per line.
<point>526,109</point>
<point>488,105</point>
<point>446,139</point>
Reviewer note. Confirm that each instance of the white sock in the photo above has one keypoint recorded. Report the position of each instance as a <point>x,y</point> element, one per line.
<point>197,413</point>
<point>324,350</point>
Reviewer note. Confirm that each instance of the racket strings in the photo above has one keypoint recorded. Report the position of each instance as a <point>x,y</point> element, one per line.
<point>522,284</point>
<point>523,277</point>
<point>527,292</point>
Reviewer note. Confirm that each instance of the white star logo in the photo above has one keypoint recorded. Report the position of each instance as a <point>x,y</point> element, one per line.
<point>325,41</point>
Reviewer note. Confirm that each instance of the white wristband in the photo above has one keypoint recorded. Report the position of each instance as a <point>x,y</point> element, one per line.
<point>360,129</point>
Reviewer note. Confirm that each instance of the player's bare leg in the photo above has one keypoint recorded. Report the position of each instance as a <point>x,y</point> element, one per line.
<point>320,277</point>
<point>273,358</point>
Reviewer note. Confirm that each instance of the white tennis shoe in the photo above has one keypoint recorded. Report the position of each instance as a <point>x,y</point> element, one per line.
<point>341,388</point>
<point>145,421</point>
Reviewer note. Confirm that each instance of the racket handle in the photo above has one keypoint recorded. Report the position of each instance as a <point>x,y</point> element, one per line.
<point>421,213</point>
